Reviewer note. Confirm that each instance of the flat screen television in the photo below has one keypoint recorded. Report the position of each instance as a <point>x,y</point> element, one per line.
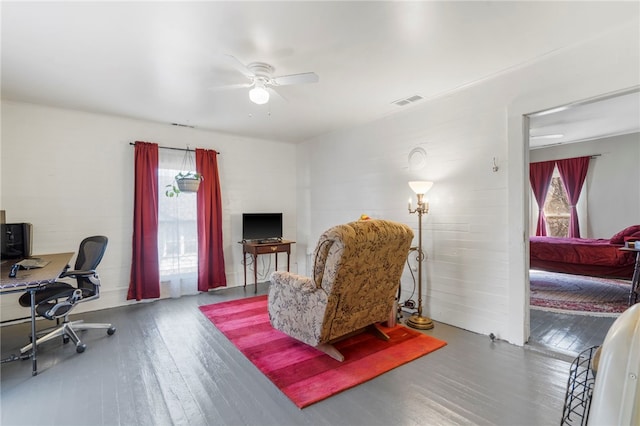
<point>261,226</point>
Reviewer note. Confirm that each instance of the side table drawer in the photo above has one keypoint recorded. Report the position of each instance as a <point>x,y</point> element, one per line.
<point>271,249</point>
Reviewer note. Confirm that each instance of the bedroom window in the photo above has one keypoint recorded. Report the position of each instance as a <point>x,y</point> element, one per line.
<point>556,212</point>
<point>556,208</point>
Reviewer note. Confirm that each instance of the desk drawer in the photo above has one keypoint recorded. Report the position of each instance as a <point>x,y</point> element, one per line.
<point>275,248</point>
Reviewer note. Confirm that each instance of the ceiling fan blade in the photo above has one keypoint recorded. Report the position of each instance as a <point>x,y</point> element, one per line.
<point>231,86</point>
<point>304,78</point>
<point>235,62</point>
<point>276,94</point>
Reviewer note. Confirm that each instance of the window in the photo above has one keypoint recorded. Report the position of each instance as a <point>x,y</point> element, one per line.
<point>177,230</point>
<point>556,208</point>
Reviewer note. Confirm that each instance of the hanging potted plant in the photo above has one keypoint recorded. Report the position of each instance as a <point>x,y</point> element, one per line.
<point>185,181</point>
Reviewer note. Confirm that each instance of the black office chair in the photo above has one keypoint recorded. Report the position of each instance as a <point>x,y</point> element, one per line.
<point>58,299</point>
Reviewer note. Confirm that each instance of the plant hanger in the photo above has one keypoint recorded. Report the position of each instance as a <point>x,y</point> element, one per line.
<point>188,179</point>
<point>188,163</point>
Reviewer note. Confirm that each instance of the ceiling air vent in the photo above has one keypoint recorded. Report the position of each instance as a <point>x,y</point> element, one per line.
<point>183,125</point>
<point>407,101</point>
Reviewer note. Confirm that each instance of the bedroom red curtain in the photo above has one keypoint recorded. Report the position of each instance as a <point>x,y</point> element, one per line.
<point>573,172</point>
<point>540,179</point>
<point>145,273</point>
<point>211,272</point>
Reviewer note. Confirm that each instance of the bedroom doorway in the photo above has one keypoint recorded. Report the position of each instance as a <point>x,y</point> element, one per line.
<point>580,128</point>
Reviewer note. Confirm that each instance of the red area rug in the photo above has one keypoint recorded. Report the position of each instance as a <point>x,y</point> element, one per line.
<point>303,373</point>
<point>578,294</point>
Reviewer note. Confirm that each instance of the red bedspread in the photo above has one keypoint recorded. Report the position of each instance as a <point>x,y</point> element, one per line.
<point>579,250</point>
<point>581,256</point>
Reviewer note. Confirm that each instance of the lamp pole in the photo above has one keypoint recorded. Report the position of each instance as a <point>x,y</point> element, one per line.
<point>417,320</point>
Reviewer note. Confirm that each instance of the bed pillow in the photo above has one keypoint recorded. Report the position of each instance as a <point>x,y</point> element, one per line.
<point>632,237</point>
<point>619,237</point>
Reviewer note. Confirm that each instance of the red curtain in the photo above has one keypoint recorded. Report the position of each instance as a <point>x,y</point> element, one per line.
<point>211,273</point>
<point>145,271</point>
<point>573,172</point>
<point>540,179</point>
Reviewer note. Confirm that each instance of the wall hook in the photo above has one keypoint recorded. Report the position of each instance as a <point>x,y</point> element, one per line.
<point>495,165</point>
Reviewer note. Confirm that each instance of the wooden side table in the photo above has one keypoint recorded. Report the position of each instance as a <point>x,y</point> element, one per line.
<point>255,249</point>
<point>635,280</point>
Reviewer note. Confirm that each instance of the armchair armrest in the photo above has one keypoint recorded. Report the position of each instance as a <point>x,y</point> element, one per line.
<point>293,281</point>
<point>51,307</point>
<point>296,306</point>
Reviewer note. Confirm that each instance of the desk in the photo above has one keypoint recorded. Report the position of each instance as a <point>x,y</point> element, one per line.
<point>31,280</point>
<point>255,249</point>
<point>635,280</point>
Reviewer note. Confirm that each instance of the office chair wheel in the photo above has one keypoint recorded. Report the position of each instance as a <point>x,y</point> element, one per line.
<point>65,339</point>
<point>111,330</point>
<point>80,348</point>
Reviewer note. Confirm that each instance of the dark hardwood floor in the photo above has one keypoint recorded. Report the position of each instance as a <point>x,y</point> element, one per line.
<point>567,334</point>
<point>168,365</point>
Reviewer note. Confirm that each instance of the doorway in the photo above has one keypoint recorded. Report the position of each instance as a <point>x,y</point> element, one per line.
<point>598,127</point>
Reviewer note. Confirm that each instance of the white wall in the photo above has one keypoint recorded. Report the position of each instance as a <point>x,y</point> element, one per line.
<point>70,174</point>
<point>613,181</point>
<point>475,231</point>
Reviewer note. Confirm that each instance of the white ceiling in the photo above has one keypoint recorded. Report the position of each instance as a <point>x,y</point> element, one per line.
<point>158,60</point>
<point>593,119</point>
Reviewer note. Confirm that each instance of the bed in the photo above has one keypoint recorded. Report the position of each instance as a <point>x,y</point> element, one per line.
<point>584,256</point>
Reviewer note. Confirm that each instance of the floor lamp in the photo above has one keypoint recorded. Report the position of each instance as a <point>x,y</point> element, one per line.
<point>420,188</point>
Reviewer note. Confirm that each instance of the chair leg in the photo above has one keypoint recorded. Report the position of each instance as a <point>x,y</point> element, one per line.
<point>334,353</point>
<point>331,351</point>
<point>51,335</point>
<point>69,330</point>
<point>79,325</point>
<point>376,331</point>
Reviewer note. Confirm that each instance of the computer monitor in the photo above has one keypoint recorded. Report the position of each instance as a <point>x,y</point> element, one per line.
<point>15,240</point>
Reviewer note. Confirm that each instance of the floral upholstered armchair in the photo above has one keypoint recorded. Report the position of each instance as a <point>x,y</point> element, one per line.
<point>356,273</point>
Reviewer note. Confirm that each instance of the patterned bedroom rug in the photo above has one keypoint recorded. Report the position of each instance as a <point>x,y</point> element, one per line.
<point>576,294</point>
<point>302,373</point>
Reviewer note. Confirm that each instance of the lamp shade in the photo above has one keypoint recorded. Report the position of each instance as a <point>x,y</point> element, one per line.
<point>259,95</point>
<point>420,186</point>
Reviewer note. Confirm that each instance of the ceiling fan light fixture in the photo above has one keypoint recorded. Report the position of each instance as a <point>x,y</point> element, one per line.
<point>259,95</point>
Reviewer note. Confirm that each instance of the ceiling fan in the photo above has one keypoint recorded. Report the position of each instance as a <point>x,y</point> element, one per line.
<point>261,79</point>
